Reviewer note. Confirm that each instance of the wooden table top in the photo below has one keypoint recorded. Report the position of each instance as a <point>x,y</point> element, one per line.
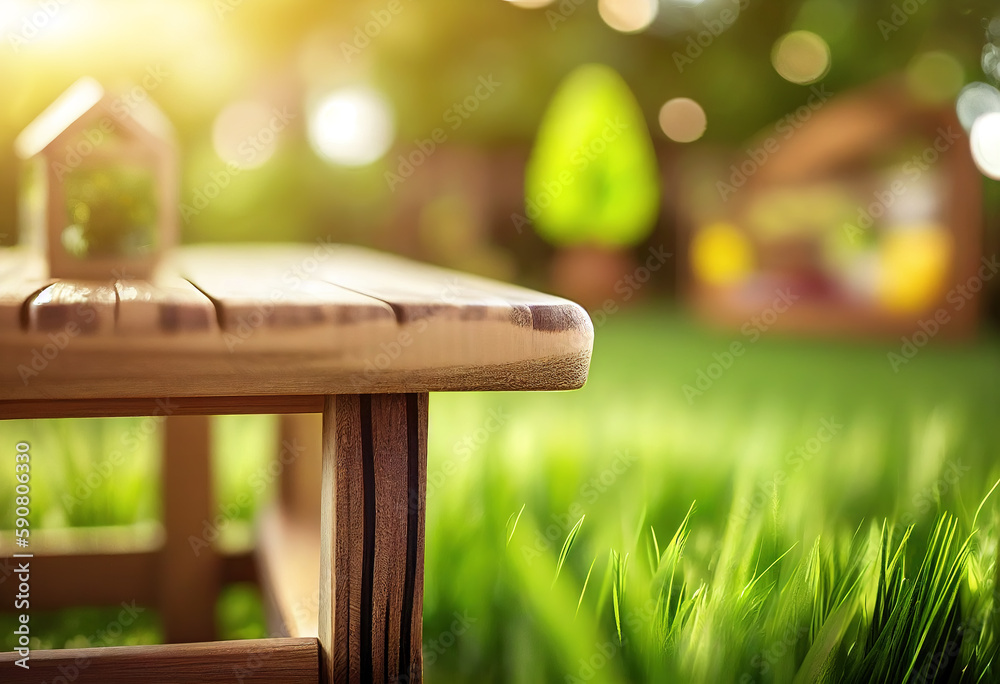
<point>269,320</point>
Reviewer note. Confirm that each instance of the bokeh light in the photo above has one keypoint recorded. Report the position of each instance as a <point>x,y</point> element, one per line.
<point>985,143</point>
<point>721,254</point>
<point>628,16</point>
<point>801,57</point>
<point>935,77</point>
<point>976,99</point>
<point>914,262</point>
<point>8,14</point>
<point>352,127</point>
<point>990,61</point>
<point>244,133</point>
<point>683,120</point>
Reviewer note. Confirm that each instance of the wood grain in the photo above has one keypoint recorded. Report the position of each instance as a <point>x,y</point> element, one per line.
<point>267,661</point>
<point>22,276</point>
<point>189,574</point>
<point>273,289</point>
<point>372,538</point>
<point>173,373</point>
<point>288,320</point>
<point>168,305</point>
<point>73,308</point>
<point>172,406</point>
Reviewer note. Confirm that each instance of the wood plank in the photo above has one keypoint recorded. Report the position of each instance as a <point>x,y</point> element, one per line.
<point>372,537</point>
<point>414,292</point>
<point>105,539</point>
<point>169,305</point>
<point>451,318</point>
<point>129,373</point>
<point>189,574</point>
<point>174,406</point>
<point>298,491</point>
<point>288,560</point>
<point>268,661</point>
<point>21,278</point>
<point>87,577</point>
<point>417,291</point>
<point>73,308</point>
<point>271,288</point>
<point>412,329</point>
<point>239,566</point>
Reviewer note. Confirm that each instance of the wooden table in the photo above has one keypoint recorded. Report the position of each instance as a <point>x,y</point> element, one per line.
<point>354,336</point>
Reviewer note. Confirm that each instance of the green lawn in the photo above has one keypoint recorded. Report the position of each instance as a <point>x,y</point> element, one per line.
<point>805,462</point>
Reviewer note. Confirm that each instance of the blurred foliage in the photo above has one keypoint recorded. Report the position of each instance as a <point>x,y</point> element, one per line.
<point>592,177</point>
<point>111,210</point>
<point>127,625</point>
<point>194,58</point>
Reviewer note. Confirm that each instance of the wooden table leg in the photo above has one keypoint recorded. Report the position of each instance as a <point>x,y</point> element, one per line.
<point>189,573</point>
<point>372,548</point>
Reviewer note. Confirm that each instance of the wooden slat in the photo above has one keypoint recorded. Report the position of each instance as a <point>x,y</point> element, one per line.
<point>268,661</point>
<point>189,573</point>
<point>372,537</point>
<point>106,539</point>
<point>293,323</point>
<point>73,308</point>
<point>168,305</point>
<point>299,493</point>
<point>418,291</point>
<point>83,373</point>
<point>106,578</point>
<point>288,560</point>
<point>240,566</point>
<point>21,277</point>
<point>175,406</point>
<point>289,534</point>
<point>273,289</point>
<point>88,579</point>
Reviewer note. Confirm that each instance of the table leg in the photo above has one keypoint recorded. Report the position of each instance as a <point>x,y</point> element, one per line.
<point>372,547</point>
<point>189,573</point>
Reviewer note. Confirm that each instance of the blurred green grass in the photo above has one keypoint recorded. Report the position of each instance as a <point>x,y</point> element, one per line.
<point>776,569</point>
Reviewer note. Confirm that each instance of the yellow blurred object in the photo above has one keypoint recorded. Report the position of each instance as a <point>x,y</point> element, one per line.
<point>914,264</point>
<point>721,254</point>
<point>935,77</point>
<point>801,57</point>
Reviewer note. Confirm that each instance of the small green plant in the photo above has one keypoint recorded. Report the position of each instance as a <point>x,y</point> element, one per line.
<point>111,210</point>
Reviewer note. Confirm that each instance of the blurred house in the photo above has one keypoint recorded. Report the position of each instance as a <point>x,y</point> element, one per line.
<point>854,214</point>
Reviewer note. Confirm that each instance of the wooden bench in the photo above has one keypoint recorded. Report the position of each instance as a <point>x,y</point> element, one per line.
<point>356,338</point>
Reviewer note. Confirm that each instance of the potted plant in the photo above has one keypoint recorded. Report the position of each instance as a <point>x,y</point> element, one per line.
<point>592,182</point>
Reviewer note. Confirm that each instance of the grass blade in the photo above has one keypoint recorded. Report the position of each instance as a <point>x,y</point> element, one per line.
<point>567,547</point>
<point>584,590</point>
<point>511,528</point>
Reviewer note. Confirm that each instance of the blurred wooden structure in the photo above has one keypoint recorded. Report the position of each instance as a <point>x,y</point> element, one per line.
<point>87,128</point>
<point>355,338</point>
<point>860,144</point>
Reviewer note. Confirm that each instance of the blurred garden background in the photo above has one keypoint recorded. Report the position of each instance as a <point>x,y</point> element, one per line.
<point>783,217</point>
